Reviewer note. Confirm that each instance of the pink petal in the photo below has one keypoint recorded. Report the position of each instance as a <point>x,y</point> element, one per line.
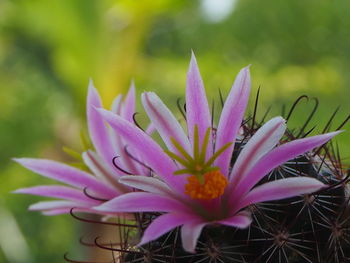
<point>146,183</point>
<point>142,202</point>
<point>58,191</point>
<point>97,129</point>
<point>54,212</point>
<point>280,189</point>
<point>164,224</point>
<point>116,104</point>
<point>103,171</point>
<point>197,109</point>
<point>48,205</point>
<point>261,143</point>
<point>241,220</point>
<point>128,109</point>
<point>150,129</point>
<point>67,210</point>
<point>151,153</point>
<point>164,121</point>
<point>190,233</point>
<point>231,117</point>
<point>124,161</point>
<point>69,175</point>
<point>277,157</point>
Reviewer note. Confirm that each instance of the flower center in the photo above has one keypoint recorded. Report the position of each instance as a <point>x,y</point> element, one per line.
<point>206,180</point>
<point>213,186</point>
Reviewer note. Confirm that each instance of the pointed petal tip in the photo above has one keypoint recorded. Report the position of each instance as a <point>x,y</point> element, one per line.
<point>142,242</point>
<point>93,97</point>
<point>16,159</point>
<point>100,208</point>
<point>23,160</point>
<point>132,84</point>
<point>328,136</point>
<point>149,96</point>
<point>334,133</point>
<point>193,62</point>
<point>246,69</point>
<point>146,94</point>
<point>191,250</point>
<point>279,119</point>
<point>313,184</point>
<point>104,207</point>
<point>91,86</point>
<point>192,54</point>
<point>17,191</point>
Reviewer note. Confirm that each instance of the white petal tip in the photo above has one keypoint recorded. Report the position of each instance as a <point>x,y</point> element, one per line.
<point>17,160</point>
<point>193,62</point>
<point>91,86</point>
<point>332,134</point>
<point>17,191</point>
<point>100,208</point>
<point>142,242</point>
<point>192,251</point>
<point>22,161</point>
<point>279,119</point>
<point>147,95</point>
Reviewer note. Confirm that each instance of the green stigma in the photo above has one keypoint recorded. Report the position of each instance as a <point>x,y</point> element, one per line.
<point>196,164</point>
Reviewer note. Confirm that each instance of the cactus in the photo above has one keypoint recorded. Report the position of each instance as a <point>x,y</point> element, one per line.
<point>313,228</point>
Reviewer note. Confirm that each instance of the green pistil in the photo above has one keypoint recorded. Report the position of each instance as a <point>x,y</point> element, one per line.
<point>196,164</point>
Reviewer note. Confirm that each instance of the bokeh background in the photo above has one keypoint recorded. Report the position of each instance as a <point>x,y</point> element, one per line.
<point>49,50</point>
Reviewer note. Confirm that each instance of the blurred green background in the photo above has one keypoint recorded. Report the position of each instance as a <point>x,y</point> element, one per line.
<point>49,50</point>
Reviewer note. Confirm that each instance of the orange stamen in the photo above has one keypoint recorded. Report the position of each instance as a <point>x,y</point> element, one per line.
<point>213,186</point>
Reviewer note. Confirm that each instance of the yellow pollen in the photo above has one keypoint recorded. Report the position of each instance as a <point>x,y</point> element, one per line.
<point>213,186</point>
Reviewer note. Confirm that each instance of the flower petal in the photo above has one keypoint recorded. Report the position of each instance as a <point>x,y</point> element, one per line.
<point>164,121</point>
<point>48,205</point>
<point>146,183</point>
<point>68,210</point>
<point>261,142</point>
<point>277,157</point>
<point>124,160</point>
<point>197,109</point>
<point>150,129</point>
<point>231,118</point>
<point>164,224</point>
<point>97,129</point>
<point>116,104</point>
<point>103,171</point>
<point>59,191</point>
<point>142,202</point>
<point>190,233</point>
<point>128,109</point>
<point>151,153</point>
<point>67,174</point>
<point>281,189</point>
<point>240,220</point>
<point>59,211</point>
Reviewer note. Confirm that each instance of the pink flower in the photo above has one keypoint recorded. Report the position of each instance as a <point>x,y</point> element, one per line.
<point>194,184</point>
<point>86,190</point>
